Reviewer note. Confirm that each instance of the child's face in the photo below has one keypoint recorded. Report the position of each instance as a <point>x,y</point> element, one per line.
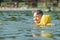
<point>37,17</point>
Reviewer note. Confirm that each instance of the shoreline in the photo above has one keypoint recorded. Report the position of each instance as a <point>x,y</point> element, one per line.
<point>24,9</point>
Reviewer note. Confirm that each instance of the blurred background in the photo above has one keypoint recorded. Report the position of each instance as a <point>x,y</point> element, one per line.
<point>41,4</point>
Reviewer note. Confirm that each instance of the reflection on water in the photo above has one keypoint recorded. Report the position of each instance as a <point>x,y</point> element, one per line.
<point>18,25</point>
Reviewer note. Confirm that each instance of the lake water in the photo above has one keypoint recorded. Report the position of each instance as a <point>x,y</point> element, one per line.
<point>19,25</point>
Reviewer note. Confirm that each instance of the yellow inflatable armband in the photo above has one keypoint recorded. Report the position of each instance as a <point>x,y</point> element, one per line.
<point>45,20</point>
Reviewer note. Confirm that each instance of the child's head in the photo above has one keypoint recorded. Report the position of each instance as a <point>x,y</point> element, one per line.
<point>37,14</point>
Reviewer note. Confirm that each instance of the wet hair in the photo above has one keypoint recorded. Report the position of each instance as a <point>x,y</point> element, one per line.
<point>39,12</point>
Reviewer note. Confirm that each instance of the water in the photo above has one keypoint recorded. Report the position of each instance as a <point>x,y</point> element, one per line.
<point>18,25</point>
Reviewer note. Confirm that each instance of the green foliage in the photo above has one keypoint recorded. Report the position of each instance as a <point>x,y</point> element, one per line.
<point>21,4</point>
